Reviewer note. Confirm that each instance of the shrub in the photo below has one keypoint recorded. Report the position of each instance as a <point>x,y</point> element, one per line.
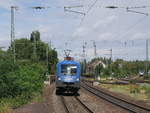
<point>22,83</point>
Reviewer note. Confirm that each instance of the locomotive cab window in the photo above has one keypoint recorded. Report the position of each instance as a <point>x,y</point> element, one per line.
<point>67,69</point>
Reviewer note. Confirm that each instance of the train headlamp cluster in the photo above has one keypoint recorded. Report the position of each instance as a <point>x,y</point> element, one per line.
<point>59,78</point>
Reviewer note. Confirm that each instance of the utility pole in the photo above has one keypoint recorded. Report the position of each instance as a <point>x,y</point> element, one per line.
<point>84,55</point>
<point>47,49</point>
<point>13,8</point>
<point>50,44</point>
<point>95,53</point>
<point>110,61</point>
<point>83,51</point>
<point>34,43</point>
<point>111,54</point>
<point>83,67</point>
<point>146,62</point>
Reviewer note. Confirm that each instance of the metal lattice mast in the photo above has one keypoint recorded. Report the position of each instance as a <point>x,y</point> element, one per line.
<point>47,55</point>
<point>146,63</point>
<point>95,50</point>
<point>83,51</point>
<point>13,8</point>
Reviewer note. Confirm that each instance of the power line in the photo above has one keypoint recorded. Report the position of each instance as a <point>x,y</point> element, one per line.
<point>92,6</point>
<point>133,11</point>
<point>67,10</point>
<point>88,12</point>
<point>131,27</point>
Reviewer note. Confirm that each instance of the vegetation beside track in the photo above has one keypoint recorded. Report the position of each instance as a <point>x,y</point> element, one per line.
<point>22,81</point>
<point>139,92</point>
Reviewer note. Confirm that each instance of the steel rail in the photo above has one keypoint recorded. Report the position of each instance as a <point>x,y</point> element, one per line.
<point>64,104</point>
<point>83,105</point>
<point>115,100</point>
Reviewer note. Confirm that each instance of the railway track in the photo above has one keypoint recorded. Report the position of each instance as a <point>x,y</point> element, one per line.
<point>115,100</point>
<point>67,109</point>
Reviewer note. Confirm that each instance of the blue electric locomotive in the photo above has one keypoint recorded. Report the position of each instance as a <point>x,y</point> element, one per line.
<point>68,76</point>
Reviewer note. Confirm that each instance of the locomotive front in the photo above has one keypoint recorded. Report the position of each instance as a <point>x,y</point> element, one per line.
<point>68,76</point>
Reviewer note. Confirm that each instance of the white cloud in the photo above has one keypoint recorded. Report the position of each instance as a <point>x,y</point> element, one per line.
<point>104,22</point>
<point>139,35</point>
<point>81,32</point>
<point>105,36</point>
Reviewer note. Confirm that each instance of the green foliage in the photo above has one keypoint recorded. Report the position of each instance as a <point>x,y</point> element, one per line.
<point>24,49</point>
<point>24,80</point>
<point>35,36</point>
<point>18,86</point>
<point>146,87</point>
<point>35,50</point>
<point>4,107</point>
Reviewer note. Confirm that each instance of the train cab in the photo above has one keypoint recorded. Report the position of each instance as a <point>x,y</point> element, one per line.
<point>68,75</point>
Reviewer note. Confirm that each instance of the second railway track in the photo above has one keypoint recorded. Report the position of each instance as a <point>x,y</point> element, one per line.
<point>117,101</point>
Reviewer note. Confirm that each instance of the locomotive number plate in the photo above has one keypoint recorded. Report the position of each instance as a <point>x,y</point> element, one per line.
<point>67,79</point>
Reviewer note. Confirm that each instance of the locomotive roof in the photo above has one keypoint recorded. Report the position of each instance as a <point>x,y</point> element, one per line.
<point>68,62</point>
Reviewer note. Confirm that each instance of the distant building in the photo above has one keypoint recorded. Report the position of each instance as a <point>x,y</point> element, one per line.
<point>91,66</point>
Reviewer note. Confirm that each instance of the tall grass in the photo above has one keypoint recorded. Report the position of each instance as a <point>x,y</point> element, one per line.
<point>5,107</point>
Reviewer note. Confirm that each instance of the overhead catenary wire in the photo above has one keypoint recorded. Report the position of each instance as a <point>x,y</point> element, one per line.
<point>92,6</point>
<point>89,9</point>
<point>133,11</point>
<point>131,27</point>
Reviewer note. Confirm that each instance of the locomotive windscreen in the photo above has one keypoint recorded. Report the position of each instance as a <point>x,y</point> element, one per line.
<point>68,69</point>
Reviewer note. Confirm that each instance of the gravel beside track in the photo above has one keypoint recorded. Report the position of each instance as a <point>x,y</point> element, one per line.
<point>98,105</point>
<point>117,101</point>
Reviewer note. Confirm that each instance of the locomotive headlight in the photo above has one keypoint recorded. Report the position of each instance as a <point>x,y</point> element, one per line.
<point>59,78</point>
<point>77,79</point>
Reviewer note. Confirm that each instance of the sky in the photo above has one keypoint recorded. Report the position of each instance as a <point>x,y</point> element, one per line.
<point>123,32</point>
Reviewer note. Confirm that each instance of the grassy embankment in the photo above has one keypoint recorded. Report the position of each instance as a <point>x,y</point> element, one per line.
<point>139,92</point>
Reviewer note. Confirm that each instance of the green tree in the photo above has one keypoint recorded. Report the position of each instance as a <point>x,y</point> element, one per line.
<point>35,36</point>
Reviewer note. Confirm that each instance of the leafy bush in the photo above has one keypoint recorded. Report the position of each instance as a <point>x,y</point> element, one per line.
<point>22,83</point>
